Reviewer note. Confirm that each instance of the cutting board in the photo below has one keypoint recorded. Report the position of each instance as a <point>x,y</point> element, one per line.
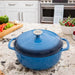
<point>1,73</point>
<point>9,30</point>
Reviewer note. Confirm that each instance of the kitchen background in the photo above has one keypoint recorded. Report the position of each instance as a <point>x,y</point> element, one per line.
<point>35,11</point>
<point>37,14</point>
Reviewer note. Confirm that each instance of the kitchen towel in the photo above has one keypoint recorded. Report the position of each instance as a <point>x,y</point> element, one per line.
<point>58,13</point>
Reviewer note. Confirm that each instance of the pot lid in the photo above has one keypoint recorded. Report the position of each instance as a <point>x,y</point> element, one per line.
<point>38,43</point>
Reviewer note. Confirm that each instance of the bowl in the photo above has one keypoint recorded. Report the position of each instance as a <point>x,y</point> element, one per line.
<point>67,30</point>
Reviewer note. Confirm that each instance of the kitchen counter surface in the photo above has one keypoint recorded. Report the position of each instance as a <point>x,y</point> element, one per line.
<point>10,65</point>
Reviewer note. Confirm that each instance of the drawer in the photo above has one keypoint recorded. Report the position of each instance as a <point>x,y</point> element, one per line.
<point>30,4</point>
<point>12,4</point>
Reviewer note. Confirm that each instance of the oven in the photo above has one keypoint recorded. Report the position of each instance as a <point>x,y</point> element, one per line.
<point>47,12</point>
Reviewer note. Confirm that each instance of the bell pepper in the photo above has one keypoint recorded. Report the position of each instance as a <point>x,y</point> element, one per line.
<point>4,24</point>
<point>2,27</point>
<point>4,19</point>
<point>9,25</point>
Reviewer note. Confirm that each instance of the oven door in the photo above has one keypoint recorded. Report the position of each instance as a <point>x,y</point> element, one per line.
<point>69,11</point>
<point>47,14</point>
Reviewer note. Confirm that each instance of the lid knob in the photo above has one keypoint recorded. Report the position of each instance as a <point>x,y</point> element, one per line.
<point>38,32</point>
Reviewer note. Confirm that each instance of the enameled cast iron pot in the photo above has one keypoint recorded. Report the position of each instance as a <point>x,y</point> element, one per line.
<point>38,49</point>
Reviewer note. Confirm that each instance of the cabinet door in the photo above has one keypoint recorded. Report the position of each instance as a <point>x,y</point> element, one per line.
<point>2,12</point>
<point>13,14</point>
<point>30,11</point>
<point>2,8</point>
<point>30,4</point>
<point>30,16</point>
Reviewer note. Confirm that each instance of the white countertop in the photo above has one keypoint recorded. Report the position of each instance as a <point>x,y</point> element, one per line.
<point>66,65</point>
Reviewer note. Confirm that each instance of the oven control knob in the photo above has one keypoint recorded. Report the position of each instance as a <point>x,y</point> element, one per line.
<point>42,1</point>
<point>49,1</point>
<point>45,1</point>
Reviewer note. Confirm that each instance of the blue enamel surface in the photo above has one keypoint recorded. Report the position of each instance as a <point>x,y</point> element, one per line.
<point>47,40</point>
<point>9,45</point>
<point>47,43</point>
<point>64,49</point>
<point>38,63</point>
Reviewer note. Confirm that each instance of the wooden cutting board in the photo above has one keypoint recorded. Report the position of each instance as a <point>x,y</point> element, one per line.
<point>9,30</point>
<point>1,73</point>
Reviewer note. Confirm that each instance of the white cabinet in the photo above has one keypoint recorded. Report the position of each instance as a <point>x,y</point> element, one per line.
<point>2,11</point>
<point>2,8</point>
<point>13,14</point>
<point>30,16</point>
<point>13,10</point>
<point>25,11</point>
<point>30,12</point>
<point>30,4</point>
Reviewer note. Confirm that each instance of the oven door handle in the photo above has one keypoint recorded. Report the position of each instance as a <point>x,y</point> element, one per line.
<point>69,6</point>
<point>64,7</point>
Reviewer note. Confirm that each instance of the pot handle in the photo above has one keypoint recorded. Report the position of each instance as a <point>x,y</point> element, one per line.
<point>64,49</point>
<point>9,45</point>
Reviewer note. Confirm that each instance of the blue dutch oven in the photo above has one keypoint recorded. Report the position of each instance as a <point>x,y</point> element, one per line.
<point>38,49</point>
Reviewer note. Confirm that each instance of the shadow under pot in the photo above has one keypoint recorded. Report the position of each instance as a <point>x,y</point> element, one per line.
<point>38,49</point>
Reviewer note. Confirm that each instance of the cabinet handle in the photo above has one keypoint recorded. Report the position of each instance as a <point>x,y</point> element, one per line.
<point>11,4</point>
<point>19,16</point>
<point>28,4</point>
<point>22,16</point>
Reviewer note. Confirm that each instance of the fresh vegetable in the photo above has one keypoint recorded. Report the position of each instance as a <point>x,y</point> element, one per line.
<point>73,25</point>
<point>4,19</point>
<point>9,25</point>
<point>68,22</point>
<point>73,21</point>
<point>2,27</point>
<point>73,32</point>
<point>5,26</point>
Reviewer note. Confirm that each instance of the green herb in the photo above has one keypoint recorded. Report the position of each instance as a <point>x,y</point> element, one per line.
<point>68,22</point>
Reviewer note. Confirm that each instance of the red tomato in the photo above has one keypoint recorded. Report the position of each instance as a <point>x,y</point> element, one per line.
<point>73,32</point>
<point>66,24</point>
<point>72,25</point>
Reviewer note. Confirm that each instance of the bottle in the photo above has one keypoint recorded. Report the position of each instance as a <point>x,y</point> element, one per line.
<point>73,35</point>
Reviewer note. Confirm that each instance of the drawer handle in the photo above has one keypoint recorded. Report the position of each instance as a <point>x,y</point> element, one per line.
<point>19,16</point>
<point>28,4</point>
<point>11,4</point>
<point>22,16</point>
